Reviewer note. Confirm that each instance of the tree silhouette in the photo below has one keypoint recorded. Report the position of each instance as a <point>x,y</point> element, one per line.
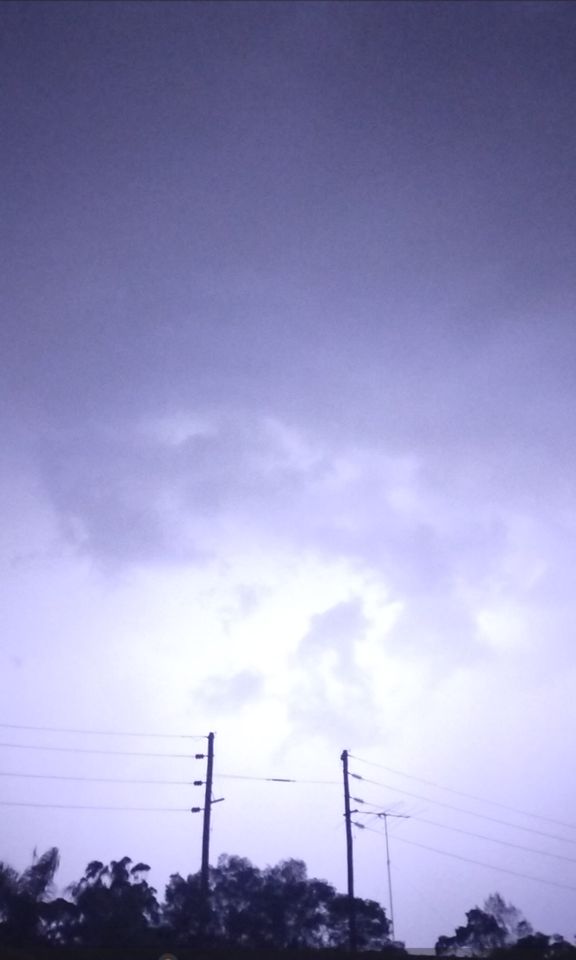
<point>508,917</point>
<point>115,905</point>
<point>24,914</point>
<point>277,908</point>
<point>182,909</point>
<point>537,946</point>
<point>372,925</point>
<point>236,889</point>
<point>497,926</point>
<point>298,908</point>
<point>479,937</point>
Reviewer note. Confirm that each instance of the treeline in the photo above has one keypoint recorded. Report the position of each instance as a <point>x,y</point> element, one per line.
<point>113,910</point>
<point>500,931</point>
<point>114,906</point>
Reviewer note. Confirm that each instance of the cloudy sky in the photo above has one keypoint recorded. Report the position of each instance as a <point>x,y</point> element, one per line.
<point>287,396</point>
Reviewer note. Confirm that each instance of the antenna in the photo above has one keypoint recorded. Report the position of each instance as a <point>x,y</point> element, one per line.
<point>384,816</point>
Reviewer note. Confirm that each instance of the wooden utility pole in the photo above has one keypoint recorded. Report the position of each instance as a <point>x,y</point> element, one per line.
<point>206,825</point>
<point>352,935</point>
<point>204,916</point>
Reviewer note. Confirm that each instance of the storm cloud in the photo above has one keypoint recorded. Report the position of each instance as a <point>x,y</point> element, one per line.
<point>287,406</point>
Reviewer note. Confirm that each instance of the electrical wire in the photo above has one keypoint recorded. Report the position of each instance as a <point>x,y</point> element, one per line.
<point>77,806</point>
<point>470,813</point>
<point>174,783</point>
<point>469,796</point>
<point>103,733</point>
<point>55,776</point>
<point>482,836</point>
<point>239,776</point>
<point>118,753</point>
<point>479,863</point>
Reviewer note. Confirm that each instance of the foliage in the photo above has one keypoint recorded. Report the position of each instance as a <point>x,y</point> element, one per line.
<point>114,905</point>
<point>278,908</point>
<point>497,926</point>
<point>508,918</point>
<point>25,914</point>
<point>181,911</point>
<point>537,946</point>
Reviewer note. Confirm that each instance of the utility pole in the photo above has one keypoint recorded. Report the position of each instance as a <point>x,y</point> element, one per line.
<point>352,934</point>
<point>384,817</point>
<point>204,915</point>
<point>206,824</point>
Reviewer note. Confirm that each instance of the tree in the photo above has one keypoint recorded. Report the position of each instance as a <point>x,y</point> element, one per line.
<point>182,909</point>
<point>537,946</point>
<point>235,888</point>
<point>297,909</point>
<point>281,908</point>
<point>496,926</point>
<point>115,905</point>
<point>372,925</point>
<point>8,898</point>
<point>508,918</point>
<point>24,913</point>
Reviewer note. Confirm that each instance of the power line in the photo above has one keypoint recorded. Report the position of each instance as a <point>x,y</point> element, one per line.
<point>118,753</point>
<point>239,776</point>
<point>469,796</point>
<point>479,863</point>
<point>80,806</point>
<point>482,836</point>
<point>174,783</point>
<point>470,813</point>
<point>104,733</point>
<point>54,776</point>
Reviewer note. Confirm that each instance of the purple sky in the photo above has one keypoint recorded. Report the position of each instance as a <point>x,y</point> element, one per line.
<point>289,377</point>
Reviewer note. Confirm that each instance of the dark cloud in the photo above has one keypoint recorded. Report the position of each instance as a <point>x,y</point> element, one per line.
<point>229,694</point>
<point>179,492</point>
<point>130,495</point>
<point>335,631</point>
<point>302,245</point>
<point>333,696</point>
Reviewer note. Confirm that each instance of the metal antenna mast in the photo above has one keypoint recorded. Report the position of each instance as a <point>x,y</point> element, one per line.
<point>384,816</point>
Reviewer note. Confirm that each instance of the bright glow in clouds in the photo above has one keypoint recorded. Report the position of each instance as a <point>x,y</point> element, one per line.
<point>289,656</point>
<point>288,352</point>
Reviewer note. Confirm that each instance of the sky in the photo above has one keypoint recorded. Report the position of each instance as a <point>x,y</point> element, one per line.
<point>287,399</point>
